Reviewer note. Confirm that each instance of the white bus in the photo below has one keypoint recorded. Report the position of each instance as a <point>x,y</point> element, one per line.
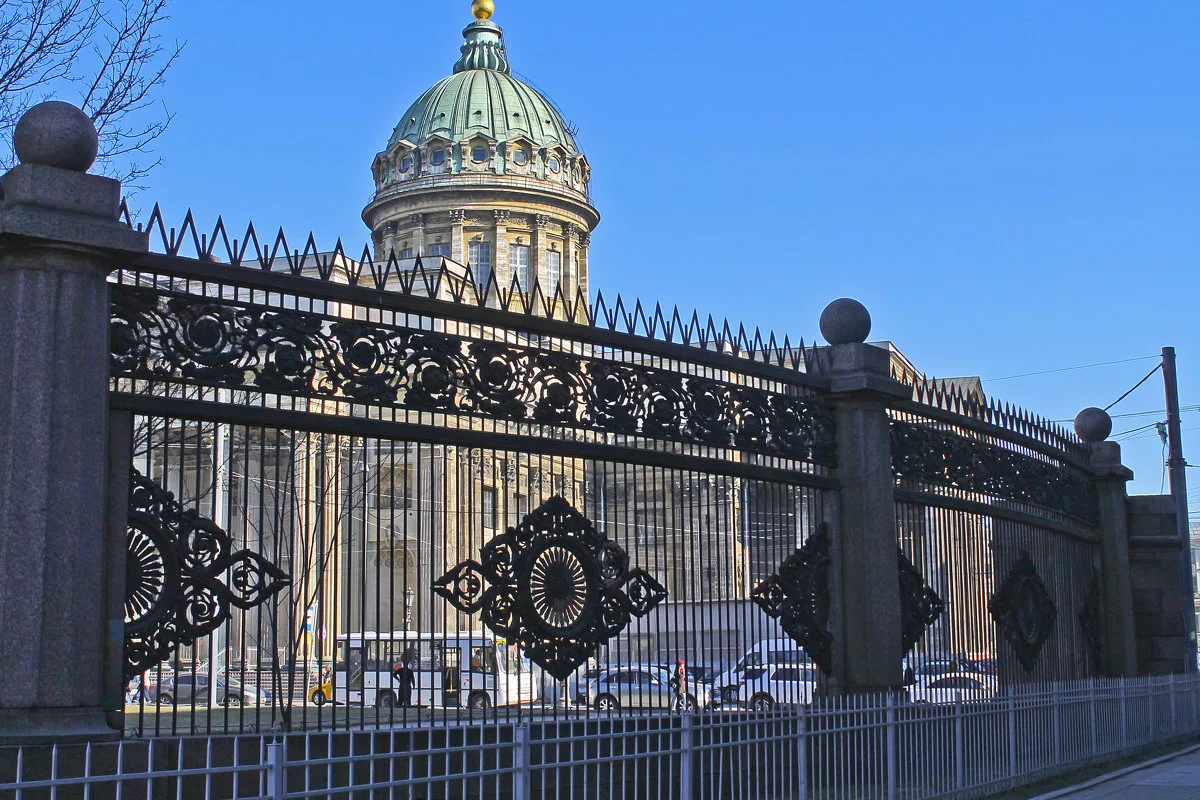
<point>452,670</point>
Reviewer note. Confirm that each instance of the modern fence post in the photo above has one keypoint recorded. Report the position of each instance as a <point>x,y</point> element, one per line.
<point>1092,716</point>
<point>1120,648</point>
<point>1057,722</point>
<point>521,787</point>
<point>892,753</point>
<point>803,722</point>
<point>960,767</point>
<point>1124,717</point>
<point>685,760</point>
<point>865,590</point>
<point>59,238</point>
<point>276,770</point>
<point>1012,735</point>
<point>1171,695</point>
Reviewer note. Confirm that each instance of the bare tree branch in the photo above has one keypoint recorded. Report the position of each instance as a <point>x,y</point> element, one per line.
<point>107,56</point>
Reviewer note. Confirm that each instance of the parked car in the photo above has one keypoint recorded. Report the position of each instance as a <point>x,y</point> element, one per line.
<point>640,687</point>
<point>767,651</point>
<point>194,689</point>
<point>948,687</point>
<point>763,688</point>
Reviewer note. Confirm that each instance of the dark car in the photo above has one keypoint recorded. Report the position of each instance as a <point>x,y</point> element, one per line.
<point>195,690</point>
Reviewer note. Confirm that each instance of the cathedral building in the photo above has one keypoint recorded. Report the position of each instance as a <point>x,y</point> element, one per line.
<point>482,169</point>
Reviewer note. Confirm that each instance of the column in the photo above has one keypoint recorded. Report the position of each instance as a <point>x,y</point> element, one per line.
<point>418,233</point>
<point>569,281</point>
<point>581,262</point>
<point>59,238</point>
<point>1093,426</point>
<point>389,241</point>
<point>537,266</point>
<point>500,256</point>
<point>458,245</point>
<point>864,579</point>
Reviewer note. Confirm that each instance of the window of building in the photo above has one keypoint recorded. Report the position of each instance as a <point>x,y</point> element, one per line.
<point>553,271</point>
<point>437,157</point>
<point>394,486</point>
<point>518,261</point>
<point>406,253</point>
<point>487,506</point>
<point>479,258</point>
<point>439,250</point>
<point>479,154</point>
<point>553,164</point>
<point>520,156</point>
<point>406,164</point>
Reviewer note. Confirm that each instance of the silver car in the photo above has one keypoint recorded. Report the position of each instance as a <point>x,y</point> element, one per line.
<point>640,688</point>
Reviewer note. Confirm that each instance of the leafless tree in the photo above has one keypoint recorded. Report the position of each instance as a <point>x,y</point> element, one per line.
<point>107,56</point>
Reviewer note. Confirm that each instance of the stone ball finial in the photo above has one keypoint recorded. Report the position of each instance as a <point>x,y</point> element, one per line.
<point>56,134</point>
<point>1093,424</point>
<point>845,321</point>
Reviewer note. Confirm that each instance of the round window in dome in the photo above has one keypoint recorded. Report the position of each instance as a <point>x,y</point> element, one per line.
<point>437,157</point>
<point>478,154</point>
<point>521,156</point>
<point>406,164</point>
<point>553,164</point>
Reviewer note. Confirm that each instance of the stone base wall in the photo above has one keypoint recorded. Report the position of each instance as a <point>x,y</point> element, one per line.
<point>1154,558</point>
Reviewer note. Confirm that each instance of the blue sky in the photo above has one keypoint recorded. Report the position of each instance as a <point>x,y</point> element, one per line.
<point>1010,187</point>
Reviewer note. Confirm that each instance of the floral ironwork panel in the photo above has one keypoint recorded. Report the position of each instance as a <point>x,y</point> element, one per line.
<point>176,561</point>
<point>798,596</point>
<point>920,605</point>
<point>173,337</point>
<point>928,455</point>
<point>554,585</point>
<point>1024,611</point>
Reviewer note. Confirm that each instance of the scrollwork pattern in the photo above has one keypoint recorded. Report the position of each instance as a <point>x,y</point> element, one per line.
<point>554,585</point>
<point>175,564</point>
<point>242,346</point>
<point>926,454</point>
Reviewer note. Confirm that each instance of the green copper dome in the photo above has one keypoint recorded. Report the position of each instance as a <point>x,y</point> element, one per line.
<point>483,98</point>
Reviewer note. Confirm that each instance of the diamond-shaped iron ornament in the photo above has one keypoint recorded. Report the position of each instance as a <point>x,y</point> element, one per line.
<point>1024,611</point>
<point>175,565</point>
<point>798,596</point>
<point>554,585</point>
<point>920,605</point>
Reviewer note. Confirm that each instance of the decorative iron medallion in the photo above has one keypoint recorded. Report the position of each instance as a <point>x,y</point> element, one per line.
<point>175,562</point>
<point>1024,611</point>
<point>554,585</point>
<point>920,605</point>
<point>798,596</point>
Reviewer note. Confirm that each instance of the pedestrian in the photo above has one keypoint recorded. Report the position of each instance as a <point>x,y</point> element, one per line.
<point>678,682</point>
<point>406,681</point>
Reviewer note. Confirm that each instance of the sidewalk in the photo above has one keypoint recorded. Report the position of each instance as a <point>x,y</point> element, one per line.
<point>1173,778</point>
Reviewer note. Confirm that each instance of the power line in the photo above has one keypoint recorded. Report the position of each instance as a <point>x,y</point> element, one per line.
<point>1135,386</point>
<point>1068,369</point>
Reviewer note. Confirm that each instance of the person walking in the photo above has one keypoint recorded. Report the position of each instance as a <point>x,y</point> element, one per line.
<point>406,680</point>
<point>678,682</point>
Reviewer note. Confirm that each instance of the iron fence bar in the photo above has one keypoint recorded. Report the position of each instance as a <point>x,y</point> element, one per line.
<point>315,422</point>
<point>402,302</point>
<point>999,510</point>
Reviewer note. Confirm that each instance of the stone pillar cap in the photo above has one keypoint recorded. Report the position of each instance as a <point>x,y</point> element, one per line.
<point>56,134</point>
<point>845,321</point>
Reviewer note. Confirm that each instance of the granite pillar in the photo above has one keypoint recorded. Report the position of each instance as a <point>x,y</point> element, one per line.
<point>1120,651</point>
<point>865,613</point>
<point>59,239</point>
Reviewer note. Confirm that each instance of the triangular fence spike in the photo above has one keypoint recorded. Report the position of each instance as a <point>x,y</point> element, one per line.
<point>219,231</point>
<point>188,226</point>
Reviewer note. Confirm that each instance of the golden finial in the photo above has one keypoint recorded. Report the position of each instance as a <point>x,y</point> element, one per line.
<point>483,9</point>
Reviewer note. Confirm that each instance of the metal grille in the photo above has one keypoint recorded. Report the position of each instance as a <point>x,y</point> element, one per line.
<point>880,747</point>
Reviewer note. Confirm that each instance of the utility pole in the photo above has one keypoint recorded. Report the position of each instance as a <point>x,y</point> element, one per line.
<point>1176,469</point>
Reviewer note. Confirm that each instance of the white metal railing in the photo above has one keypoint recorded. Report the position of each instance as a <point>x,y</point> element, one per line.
<point>862,747</point>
